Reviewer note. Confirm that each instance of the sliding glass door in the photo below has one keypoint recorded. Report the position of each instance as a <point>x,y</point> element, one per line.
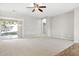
<point>8,28</point>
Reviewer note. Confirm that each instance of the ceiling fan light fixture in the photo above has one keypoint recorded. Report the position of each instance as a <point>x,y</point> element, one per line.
<point>37,7</point>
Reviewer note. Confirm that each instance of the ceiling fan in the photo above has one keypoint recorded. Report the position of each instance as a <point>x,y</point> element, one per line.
<point>37,7</point>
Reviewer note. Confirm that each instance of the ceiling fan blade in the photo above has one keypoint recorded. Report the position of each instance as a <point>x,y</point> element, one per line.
<point>42,6</point>
<point>33,10</point>
<point>40,10</point>
<point>34,4</point>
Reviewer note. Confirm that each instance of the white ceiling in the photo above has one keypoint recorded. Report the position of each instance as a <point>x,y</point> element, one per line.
<point>52,9</point>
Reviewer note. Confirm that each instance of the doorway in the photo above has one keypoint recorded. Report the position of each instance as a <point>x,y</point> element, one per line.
<point>44,26</point>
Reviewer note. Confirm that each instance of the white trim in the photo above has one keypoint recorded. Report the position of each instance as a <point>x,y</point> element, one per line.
<point>11,18</point>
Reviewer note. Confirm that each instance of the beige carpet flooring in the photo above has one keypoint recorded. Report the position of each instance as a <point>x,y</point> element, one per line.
<point>33,47</point>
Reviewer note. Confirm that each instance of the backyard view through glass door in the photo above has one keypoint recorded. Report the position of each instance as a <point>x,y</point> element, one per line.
<point>8,28</point>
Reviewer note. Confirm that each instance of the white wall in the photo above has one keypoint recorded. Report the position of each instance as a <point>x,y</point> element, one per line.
<point>49,26</point>
<point>63,26</point>
<point>32,27</point>
<point>76,24</point>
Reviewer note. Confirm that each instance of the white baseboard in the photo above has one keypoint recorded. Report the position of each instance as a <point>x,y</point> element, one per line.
<point>68,37</point>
